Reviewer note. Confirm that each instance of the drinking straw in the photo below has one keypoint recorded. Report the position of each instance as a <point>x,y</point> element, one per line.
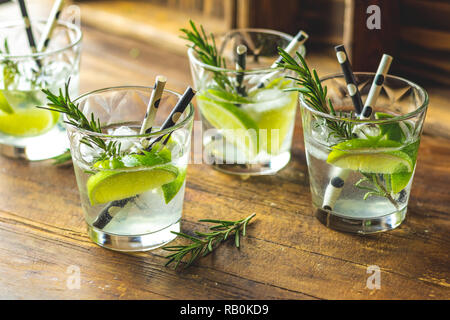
<point>26,20</point>
<point>241,58</point>
<point>175,114</point>
<point>377,83</point>
<point>291,48</point>
<point>352,88</point>
<point>336,183</point>
<point>50,25</point>
<point>107,214</point>
<point>152,107</point>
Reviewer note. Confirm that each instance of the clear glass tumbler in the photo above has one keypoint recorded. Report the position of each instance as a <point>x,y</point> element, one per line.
<point>133,199</point>
<point>361,171</point>
<point>26,131</point>
<point>247,128</point>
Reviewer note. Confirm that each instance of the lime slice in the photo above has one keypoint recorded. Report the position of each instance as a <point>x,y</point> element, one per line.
<point>170,190</point>
<point>4,104</point>
<point>28,121</point>
<point>392,131</point>
<point>238,128</point>
<point>107,186</point>
<point>225,96</point>
<point>274,112</point>
<point>371,156</point>
<point>399,181</point>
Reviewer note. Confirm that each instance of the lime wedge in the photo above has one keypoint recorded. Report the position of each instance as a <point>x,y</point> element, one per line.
<point>274,112</point>
<point>4,104</point>
<point>107,186</point>
<point>399,181</point>
<point>28,122</point>
<point>371,156</point>
<point>171,189</point>
<point>225,96</point>
<point>392,131</point>
<point>238,128</point>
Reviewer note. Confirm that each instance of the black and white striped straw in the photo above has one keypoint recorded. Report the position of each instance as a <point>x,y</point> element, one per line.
<point>336,183</point>
<point>352,87</point>
<point>50,25</point>
<point>152,107</point>
<point>241,63</point>
<point>28,29</point>
<point>291,48</point>
<point>377,84</point>
<point>175,114</point>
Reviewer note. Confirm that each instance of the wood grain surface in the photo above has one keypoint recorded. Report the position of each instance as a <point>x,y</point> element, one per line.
<point>287,254</point>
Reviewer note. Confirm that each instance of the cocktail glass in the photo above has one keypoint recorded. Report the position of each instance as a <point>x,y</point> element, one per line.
<point>133,200</point>
<point>361,183</point>
<point>246,133</point>
<point>26,131</point>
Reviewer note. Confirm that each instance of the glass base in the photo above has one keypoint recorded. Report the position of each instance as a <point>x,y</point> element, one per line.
<point>134,243</point>
<point>275,164</point>
<point>43,147</point>
<point>360,225</point>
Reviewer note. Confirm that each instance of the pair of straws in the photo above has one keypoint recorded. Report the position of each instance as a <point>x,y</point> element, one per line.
<point>363,111</point>
<point>48,31</point>
<point>108,213</point>
<point>241,55</point>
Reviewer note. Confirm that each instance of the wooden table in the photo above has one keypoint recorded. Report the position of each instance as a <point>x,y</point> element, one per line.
<point>287,254</point>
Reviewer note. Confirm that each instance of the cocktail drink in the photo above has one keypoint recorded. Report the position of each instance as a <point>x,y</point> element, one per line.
<point>248,117</point>
<point>361,171</point>
<point>26,131</point>
<point>131,184</point>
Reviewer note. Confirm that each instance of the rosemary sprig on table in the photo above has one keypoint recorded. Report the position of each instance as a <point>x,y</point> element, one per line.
<point>207,52</point>
<point>315,94</point>
<point>76,118</point>
<point>205,243</point>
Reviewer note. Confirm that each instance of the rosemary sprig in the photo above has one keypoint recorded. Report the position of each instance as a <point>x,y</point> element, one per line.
<point>375,187</point>
<point>205,243</point>
<point>207,52</point>
<point>315,94</point>
<point>76,118</point>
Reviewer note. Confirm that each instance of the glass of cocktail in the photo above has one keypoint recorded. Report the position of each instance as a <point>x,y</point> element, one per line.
<point>131,193</point>
<point>361,171</point>
<point>26,131</point>
<point>248,117</point>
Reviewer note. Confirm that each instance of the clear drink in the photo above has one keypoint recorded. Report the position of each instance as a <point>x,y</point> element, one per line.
<point>133,200</point>
<point>25,130</point>
<point>265,133</point>
<point>362,183</point>
<point>246,131</point>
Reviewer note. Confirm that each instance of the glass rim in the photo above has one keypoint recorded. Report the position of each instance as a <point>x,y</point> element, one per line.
<point>192,56</point>
<point>394,119</point>
<point>175,127</point>
<point>68,25</point>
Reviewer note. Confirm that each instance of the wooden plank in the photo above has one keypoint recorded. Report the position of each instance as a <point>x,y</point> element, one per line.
<point>146,22</point>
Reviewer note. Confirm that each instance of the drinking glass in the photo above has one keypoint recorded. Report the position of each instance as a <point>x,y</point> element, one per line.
<point>134,199</point>
<point>361,171</point>
<point>26,131</point>
<point>247,128</point>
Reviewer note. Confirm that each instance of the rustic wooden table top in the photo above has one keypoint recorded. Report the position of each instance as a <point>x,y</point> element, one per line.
<point>287,253</point>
